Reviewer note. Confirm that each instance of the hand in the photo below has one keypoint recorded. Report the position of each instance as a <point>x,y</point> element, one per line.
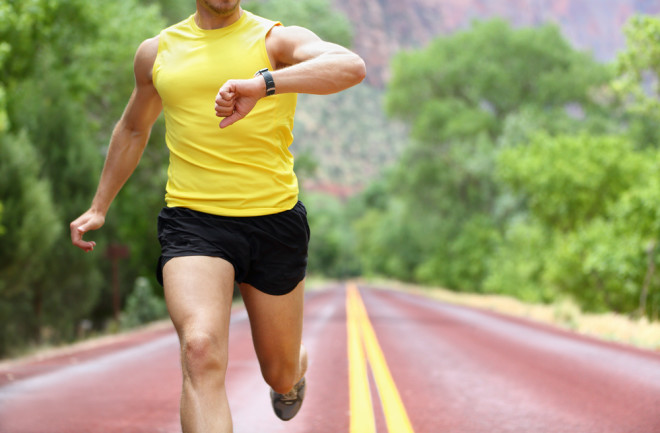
<point>236,98</point>
<point>90,220</point>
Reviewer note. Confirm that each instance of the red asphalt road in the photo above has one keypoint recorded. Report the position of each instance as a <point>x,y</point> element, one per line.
<point>457,370</point>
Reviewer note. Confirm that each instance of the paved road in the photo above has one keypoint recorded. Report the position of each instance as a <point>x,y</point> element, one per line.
<point>381,361</point>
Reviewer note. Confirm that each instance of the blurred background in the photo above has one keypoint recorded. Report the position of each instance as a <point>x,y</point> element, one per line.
<point>504,148</point>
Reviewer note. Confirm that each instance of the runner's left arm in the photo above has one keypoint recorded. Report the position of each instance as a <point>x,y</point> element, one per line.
<point>303,62</point>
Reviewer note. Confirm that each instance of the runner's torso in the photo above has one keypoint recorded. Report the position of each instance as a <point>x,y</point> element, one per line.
<point>245,169</point>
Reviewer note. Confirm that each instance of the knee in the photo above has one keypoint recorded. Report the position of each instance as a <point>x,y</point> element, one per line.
<point>280,376</point>
<point>201,355</point>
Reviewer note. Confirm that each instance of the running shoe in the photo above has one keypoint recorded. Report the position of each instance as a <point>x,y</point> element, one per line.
<point>286,406</point>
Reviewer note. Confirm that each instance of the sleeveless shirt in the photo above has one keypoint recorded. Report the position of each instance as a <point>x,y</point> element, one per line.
<point>245,169</point>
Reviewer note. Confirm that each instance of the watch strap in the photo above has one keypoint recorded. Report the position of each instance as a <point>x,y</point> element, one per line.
<point>268,78</point>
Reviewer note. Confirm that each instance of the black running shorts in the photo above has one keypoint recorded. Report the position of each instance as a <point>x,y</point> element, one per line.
<point>268,252</point>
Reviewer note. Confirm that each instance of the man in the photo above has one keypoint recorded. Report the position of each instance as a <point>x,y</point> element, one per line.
<point>232,209</point>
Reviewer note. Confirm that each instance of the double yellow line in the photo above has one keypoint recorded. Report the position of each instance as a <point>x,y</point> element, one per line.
<point>362,340</point>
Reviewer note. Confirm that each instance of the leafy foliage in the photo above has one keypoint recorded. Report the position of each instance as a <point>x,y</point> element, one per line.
<point>62,85</point>
<point>574,187</point>
<point>142,305</point>
<point>332,249</point>
<point>638,68</point>
<point>465,96</point>
<point>569,180</point>
<point>518,261</point>
<point>2,229</point>
<point>525,175</point>
<point>492,71</point>
<point>173,10</point>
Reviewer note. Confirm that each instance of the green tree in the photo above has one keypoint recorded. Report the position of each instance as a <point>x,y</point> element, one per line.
<point>142,306</point>
<point>636,84</point>
<point>467,97</point>
<point>60,87</point>
<point>569,180</point>
<point>388,240</point>
<point>589,201</point>
<point>2,228</point>
<point>492,71</point>
<point>572,186</point>
<point>518,262</point>
<point>332,249</point>
<point>173,10</point>
<point>638,68</point>
<point>636,220</point>
<point>34,229</point>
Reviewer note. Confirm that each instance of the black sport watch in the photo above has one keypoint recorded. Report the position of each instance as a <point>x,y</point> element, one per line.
<point>268,78</point>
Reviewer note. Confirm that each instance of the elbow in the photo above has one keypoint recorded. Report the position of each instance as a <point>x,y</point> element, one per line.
<point>131,134</point>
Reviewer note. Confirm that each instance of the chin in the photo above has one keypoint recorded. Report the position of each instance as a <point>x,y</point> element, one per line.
<point>222,7</point>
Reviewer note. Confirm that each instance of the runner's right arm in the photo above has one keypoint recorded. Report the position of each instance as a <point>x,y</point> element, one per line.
<point>127,143</point>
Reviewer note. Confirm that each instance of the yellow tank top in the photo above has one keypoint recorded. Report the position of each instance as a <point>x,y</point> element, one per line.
<point>245,169</point>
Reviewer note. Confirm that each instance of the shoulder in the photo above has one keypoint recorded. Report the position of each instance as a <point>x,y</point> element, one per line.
<point>282,42</point>
<point>148,48</point>
<point>291,35</point>
<point>145,57</point>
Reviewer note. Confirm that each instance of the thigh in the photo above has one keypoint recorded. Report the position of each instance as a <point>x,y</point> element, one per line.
<point>198,292</point>
<point>276,323</point>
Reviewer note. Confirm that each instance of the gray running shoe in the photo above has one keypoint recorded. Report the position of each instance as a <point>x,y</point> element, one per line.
<point>286,406</point>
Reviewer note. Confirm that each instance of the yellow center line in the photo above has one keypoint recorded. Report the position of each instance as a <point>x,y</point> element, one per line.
<point>362,415</point>
<point>361,407</point>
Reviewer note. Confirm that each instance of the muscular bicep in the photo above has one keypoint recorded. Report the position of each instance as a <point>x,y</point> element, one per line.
<point>292,45</point>
<point>145,105</point>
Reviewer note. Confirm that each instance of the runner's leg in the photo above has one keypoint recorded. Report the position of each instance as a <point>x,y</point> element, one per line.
<point>276,323</point>
<point>198,291</point>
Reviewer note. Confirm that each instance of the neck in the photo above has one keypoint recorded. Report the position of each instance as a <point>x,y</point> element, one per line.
<point>208,19</point>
